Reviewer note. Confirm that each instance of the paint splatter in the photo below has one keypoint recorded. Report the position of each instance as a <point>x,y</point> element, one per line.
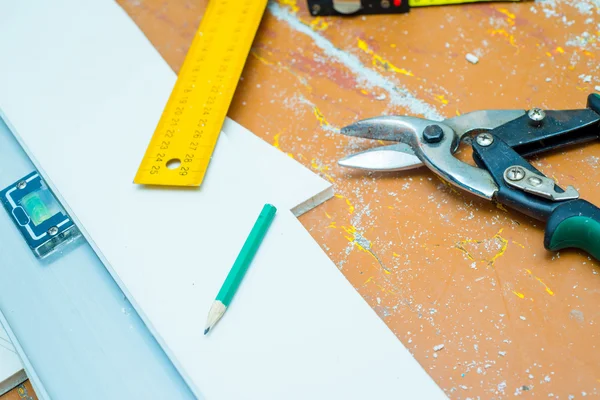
<point>398,96</point>
<point>548,290</point>
<point>381,62</point>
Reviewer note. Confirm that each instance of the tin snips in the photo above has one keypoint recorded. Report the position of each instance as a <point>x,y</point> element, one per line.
<point>500,140</point>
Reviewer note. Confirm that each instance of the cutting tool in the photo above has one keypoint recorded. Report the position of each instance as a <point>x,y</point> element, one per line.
<point>500,140</point>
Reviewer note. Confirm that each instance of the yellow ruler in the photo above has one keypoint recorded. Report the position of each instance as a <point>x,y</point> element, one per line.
<point>186,135</point>
<point>425,3</point>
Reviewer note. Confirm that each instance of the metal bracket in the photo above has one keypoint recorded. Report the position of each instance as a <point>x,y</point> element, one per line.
<point>539,185</point>
<point>347,6</point>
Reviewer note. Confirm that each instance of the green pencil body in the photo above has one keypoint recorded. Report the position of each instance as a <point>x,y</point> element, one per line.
<point>240,266</point>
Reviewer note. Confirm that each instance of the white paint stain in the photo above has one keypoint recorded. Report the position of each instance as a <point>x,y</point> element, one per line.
<point>398,96</point>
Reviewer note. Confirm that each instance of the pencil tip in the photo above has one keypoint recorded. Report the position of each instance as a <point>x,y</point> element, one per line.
<point>206,330</point>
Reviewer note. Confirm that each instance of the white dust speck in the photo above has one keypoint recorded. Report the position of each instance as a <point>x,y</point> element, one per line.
<point>502,353</point>
<point>463,387</point>
<point>547,378</point>
<point>435,355</point>
<point>502,386</point>
<point>522,318</point>
<point>472,58</point>
<point>597,88</point>
<point>584,7</point>
<point>381,97</point>
<point>438,347</point>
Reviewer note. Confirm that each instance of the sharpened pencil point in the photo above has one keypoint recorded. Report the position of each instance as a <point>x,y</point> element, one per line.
<point>206,330</point>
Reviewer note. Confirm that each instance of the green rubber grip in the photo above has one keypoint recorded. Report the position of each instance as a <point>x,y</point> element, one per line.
<point>574,224</point>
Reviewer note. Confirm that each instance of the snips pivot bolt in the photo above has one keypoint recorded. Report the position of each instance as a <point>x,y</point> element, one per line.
<point>433,134</point>
<point>536,116</point>
<point>515,173</point>
<point>484,139</point>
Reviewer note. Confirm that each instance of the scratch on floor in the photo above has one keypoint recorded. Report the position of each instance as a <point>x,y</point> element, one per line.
<point>398,96</point>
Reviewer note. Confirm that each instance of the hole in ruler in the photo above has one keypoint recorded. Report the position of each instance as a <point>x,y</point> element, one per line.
<point>173,163</point>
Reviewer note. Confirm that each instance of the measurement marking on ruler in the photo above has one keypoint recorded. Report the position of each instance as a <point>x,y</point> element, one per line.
<point>191,122</point>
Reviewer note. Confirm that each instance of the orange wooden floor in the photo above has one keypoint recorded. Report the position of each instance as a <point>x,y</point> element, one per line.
<point>437,265</point>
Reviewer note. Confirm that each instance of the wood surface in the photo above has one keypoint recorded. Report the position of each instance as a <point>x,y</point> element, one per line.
<point>22,392</point>
<point>438,265</point>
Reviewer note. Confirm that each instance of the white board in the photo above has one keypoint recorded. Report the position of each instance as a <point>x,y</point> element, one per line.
<point>83,92</point>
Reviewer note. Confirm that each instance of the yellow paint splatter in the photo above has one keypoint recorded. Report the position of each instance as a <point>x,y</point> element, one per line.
<point>548,54</point>
<point>320,117</point>
<point>291,3</point>
<point>589,54</point>
<point>511,39</point>
<point>489,262</point>
<point>278,147</point>
<point>502,248</point>
<point>395,254</point>
<point>319,24</point>
<point>518,244</point>
<point>363,91</point>
<point>548,290</point>
<point>381,62</point>
<point>350,206</point>
<point>355,238</point>
<point>276,141</point>
<point>519,295</point>
<point>327,215</point>
<point>559,50</point>
<point>321,168</point>
<point>260,58</point>
<point>368,280</point>
<point>440,98</point>
<point>510,17</point>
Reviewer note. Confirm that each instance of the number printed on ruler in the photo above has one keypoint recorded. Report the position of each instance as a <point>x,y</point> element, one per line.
<point>187,132</point>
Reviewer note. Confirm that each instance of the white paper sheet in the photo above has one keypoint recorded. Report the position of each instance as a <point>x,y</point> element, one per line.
<point>83,90</point>
<point>11,370</point>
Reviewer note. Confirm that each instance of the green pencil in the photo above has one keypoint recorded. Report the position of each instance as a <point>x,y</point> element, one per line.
<point>240,266</point>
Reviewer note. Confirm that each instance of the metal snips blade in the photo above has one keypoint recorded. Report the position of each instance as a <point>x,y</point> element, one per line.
<point>400,156</point>
<point>430,143</point>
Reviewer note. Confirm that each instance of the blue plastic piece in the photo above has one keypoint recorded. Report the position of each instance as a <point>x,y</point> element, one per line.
<point>78,335</point>
<point>43,223</point>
